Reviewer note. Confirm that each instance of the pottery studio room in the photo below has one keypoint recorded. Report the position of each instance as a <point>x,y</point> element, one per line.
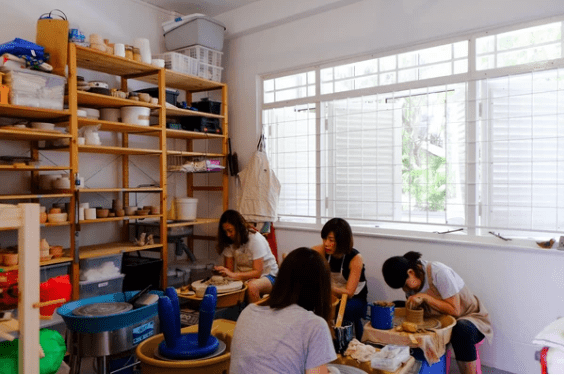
<point>282,186</point>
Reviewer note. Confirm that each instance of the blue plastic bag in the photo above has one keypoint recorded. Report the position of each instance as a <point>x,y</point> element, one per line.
<point>19,47</point>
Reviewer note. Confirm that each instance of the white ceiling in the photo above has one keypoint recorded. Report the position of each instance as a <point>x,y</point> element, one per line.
<point>210,8</point>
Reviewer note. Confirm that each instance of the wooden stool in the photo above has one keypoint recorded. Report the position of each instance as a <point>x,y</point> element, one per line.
<point>478,363</point>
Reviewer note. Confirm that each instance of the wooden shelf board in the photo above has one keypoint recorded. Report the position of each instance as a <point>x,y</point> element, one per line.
<point>179,112</point>
<point>33,168</point>
<point>33,196</point>
<point>62,259</point>
<point>92,59</point>
<point>122,218</point>
<point>47,224</point>
<point>183,81</point>
<point>185,134</point>
<point>30,134</point>
<point>119,190</point>
<point>117,150</point>
<point>95,251</point>
<point>120,127</point>
<point>189,153</point>
<point>18,111</point>
<point>107,101</point>
<point>198,221</point>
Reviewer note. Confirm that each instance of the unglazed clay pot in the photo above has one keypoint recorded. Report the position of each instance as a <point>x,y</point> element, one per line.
<point>414,316</point>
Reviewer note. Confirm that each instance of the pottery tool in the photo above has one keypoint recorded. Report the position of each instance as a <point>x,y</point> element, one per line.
<point>341,310</point>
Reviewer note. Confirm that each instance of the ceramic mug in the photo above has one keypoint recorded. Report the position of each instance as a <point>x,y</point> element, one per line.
<point>119,49</point>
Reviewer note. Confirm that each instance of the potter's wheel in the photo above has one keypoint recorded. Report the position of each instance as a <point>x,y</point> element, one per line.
<point>427,323</point>
<point>220,349</point>
<point>102,309</point>
<point>232,286</point>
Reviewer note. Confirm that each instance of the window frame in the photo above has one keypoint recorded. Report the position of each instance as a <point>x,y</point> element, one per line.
<point>472,78</point>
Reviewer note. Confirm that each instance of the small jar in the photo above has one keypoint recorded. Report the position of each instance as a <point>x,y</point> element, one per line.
<point>129,52</point>
<point>137,54</point>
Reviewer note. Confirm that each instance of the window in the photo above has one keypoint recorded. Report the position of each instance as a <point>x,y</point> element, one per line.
<point>422,138</point>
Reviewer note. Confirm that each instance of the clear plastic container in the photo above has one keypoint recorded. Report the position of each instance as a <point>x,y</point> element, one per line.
<point>36,89</point>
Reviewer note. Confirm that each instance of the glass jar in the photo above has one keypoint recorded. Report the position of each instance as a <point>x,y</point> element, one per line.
<point>137,54</point>
<point>129,52</point>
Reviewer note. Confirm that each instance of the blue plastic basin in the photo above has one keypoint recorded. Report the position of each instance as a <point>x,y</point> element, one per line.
<point>87,324</point>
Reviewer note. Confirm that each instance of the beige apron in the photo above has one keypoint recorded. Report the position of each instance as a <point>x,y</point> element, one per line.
<point>471,307</point>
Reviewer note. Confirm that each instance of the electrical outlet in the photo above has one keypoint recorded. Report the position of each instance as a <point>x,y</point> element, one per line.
<point>561,243</point>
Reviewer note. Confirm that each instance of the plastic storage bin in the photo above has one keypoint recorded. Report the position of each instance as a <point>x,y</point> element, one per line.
<point>47,272</point>
<point>171,95</point>
<point>201,124</point>
<point>36,89</point>
<point>141,272</point>
<point>91,263</point>
<point>203,55</point>
<point>179,62</point>
<point>95,288</point>
<point>200,30</point>
<point>208,106</point>
<point>210,72</point>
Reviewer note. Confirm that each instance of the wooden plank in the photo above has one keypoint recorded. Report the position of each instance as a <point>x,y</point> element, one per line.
<point>198,221</point>
<point>117,150</point>
<point>99,61</point>
<point>33,196</point>
<point>186,134</point>
<point>123,218</point>
<point>18,111</point>
<point>33,168</point>
<point>124,190</point>
<point>183,81</point>
<point>95,251</point>
<point>105,101</point>
<point>30,134</point>
<point>28,316</point>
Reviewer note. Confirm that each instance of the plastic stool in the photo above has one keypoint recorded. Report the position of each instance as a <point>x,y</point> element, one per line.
<point>478,363</point>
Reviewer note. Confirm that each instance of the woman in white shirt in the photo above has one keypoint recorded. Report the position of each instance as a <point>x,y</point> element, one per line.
<point>247,255</point>
<point>440,290</point>
<point>290,333</point>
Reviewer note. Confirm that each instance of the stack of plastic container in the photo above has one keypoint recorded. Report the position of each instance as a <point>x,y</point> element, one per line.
<point>196,41</point>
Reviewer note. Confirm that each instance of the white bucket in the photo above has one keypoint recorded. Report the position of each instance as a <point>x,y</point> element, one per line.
<point>186,208</point>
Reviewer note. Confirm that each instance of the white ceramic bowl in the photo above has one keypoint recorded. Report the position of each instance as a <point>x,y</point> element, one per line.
<point>57,218</point>
<point>43,125</point>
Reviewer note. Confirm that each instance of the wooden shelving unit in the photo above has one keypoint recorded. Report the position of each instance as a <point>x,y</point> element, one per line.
<point>124,69</point>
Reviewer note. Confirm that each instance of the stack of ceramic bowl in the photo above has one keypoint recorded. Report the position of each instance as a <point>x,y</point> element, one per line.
<point>81,84</point>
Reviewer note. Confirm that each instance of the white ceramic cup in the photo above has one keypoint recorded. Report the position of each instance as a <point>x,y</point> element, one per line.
<point>119,49</point>
<point>81,213</point>
<point>90,213</point>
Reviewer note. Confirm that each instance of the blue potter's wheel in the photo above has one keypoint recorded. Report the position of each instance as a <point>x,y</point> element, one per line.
<point>187,347</point>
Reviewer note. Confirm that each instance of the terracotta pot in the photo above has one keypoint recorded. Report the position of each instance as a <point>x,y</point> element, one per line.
<point>43,217</point>
<point>55,210</point>
<point>102,213</point>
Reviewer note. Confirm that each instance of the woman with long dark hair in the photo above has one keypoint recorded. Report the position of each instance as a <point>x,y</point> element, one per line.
<point>440,290</point>
<point>247,255</point>
<point>290,333</point>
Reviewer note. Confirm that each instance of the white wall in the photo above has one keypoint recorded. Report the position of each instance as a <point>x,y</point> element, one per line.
<point>522,288</point>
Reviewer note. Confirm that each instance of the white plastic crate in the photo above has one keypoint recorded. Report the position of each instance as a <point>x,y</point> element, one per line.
<point>203,55</point>
<point>179,62</point>
<point>210,72</point>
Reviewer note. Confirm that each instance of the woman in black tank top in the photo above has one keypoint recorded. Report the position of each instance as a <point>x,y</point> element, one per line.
<point>347,269</point>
